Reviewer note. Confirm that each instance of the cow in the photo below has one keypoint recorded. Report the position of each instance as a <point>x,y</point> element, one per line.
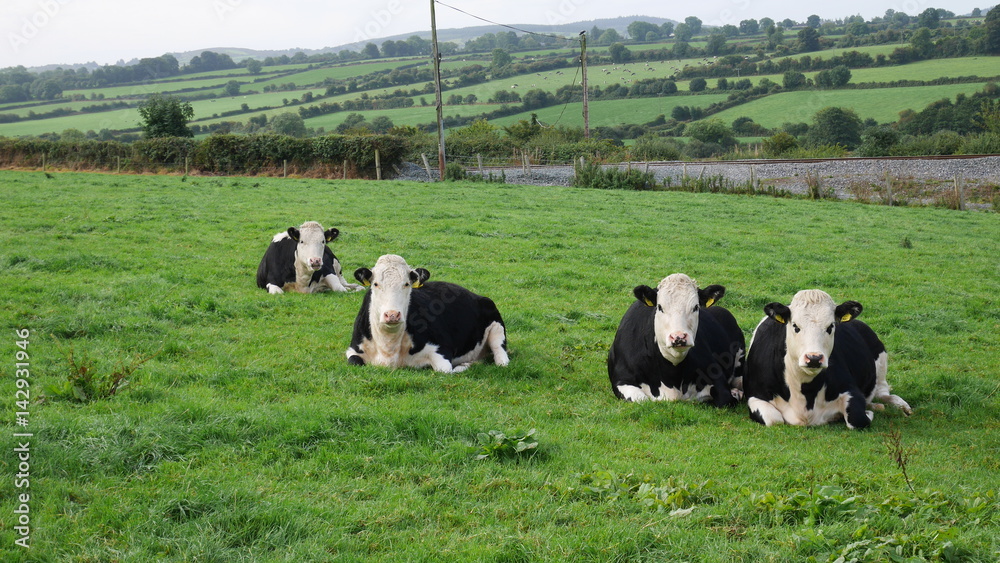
<point>672,344</point>
<point>407,321</point>
<point>299,260</point>
<point>812,362</point>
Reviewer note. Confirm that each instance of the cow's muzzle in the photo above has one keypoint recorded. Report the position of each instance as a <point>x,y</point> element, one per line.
<point>315,263</point>
<point>814,361</point>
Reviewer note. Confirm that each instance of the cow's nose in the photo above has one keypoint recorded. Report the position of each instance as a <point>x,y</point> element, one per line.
<point>315,263</point>
<point>814,360</point>
<point>392,317</point>
<point>679,339</point>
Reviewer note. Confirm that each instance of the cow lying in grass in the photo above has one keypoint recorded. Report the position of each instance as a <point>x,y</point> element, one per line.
<point>673,344</point>
<point>812,362</point>
<point>300,260</point>
<point>407,321</point>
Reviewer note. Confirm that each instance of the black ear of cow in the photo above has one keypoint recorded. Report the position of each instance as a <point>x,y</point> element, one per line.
<point>331,234</point>
<point>419,276</point>
<point>363,275</point>
<point>708,296</point>
<point>294,233</point>
<point>848,310</point>
<point>645,294</point>
<point>778,312</point>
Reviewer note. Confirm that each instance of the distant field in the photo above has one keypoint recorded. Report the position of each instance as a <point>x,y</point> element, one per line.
<point>881,104</point>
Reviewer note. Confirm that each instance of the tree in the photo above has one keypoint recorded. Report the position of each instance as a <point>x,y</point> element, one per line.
<point>693,23</point>
<point>878,141</point>
<point>353,121</point>
<point>929,18</point>
<point>608,37</point>
<point>666,29</point>
<point>977,12</point>
<point>711,131</point>
<point>922,43</point>
<point>793,79</point>
<point>640,30</point>
<point>992,25</point>
<point>749,27</point>
<point>288,123</point>
<point>808,40</point>
<point>381,124</point>
<point>683,32</point>
<point>254,66</point>
<point>775,37</point>
<point>716,44</point>
<point>835,126</point>
<point>501,58</point>
<point>697,84</point>
<point>787,23</point>
<point>232,88</point>
<point>370,51</point>
<point>834,77</point>
<point>619,53</point>
<point>813,21</point>
<point>165,116</point>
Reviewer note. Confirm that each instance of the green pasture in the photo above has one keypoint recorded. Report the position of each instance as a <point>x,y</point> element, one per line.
<point>881,104</point>
<point>613,112</point>
<point>246,436</point>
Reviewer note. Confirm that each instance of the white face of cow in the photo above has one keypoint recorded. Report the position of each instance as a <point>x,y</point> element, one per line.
<point>312,241</point>
<point>810,324</point>
<point>678,301</point>
<point>391,281</point>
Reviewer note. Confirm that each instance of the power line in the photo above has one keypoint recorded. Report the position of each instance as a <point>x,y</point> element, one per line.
<point>505,25</point>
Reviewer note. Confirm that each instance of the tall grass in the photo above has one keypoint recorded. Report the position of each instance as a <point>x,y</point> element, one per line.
<point>248,437</point>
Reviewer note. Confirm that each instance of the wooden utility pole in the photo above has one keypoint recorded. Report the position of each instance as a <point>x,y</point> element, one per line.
<point>437,90</point>
<point>583,65</point>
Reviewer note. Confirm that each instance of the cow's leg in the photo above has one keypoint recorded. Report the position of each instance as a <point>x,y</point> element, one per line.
<point>334,283</point>
<point>496,337</point>
<point>764,412</point>
<point>274,289</point>
<point>632,393</point>
<point>854,411</point>
<point>882,390</point>
<point>354,357</point>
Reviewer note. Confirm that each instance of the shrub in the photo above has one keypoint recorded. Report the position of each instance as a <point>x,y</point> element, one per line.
<point>779,144</point>
<point>649,147</point>
<point>593,175</point>
<point>987,143</point>
<point>878,141</point>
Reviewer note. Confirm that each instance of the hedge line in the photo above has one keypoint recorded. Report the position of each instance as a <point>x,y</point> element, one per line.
<point>218,154</point>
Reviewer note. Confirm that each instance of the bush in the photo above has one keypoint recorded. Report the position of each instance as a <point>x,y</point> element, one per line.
<point>593,175</point>
<point>700,149</point>
<point>649,147</point>
<point>779,144</point>
<point>987,143</point>
<point>878,141</point>
<point>940,143</point>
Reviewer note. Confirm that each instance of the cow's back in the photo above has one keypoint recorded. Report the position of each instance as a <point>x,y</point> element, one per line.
<point>449,316</point>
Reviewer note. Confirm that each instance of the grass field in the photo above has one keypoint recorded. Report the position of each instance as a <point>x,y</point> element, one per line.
<point>880,104</point>
<point>248,437</point>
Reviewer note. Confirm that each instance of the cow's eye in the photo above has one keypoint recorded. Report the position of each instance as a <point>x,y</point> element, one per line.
<point>695,309</point>
<point>659,308</point>
<point>829,329</point>
<point>796,328</point>
<point>375,284</point>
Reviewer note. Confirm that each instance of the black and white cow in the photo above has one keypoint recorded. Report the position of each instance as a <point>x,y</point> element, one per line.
<point>406,321</point>
<point>812,363</point>
<point>299,260</point>
<point>673,344</point>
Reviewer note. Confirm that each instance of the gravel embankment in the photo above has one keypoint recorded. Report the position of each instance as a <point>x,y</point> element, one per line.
<point>840,176</point>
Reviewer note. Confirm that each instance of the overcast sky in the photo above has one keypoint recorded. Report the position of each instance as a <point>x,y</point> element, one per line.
<point>39,32</point>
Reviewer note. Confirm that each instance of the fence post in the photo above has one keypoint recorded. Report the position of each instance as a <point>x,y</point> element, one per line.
<point>427,166</point>
<point>118,166</point>
<point>888,188</point>
<point>479,159</point>
<point>44,163</point>
<point>187,166</point>
<point>345,168</point>
<point>960,192</point>
<point>378,166</point>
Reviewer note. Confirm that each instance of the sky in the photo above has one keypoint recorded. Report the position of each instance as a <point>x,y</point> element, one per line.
<point>42,32</point>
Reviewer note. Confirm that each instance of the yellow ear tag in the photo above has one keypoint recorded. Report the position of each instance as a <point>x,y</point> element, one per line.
<point>648,302</point>
<point>366,283</point>
<point>709,303</point>
<point>417,284</point>
<point>846,318</point>
<point>780,319</point>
